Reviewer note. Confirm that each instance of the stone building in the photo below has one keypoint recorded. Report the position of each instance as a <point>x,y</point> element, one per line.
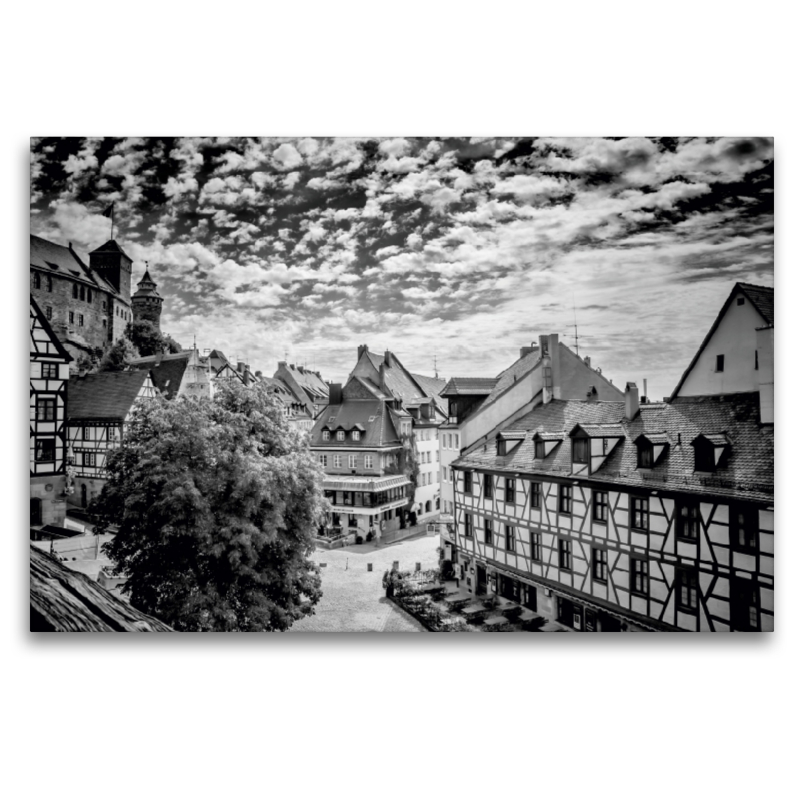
<point>147,302</point>
<point>86,301</point>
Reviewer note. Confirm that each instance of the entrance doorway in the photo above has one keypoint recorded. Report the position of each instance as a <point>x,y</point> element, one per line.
<point>480,587</point>
<point>36,511</point>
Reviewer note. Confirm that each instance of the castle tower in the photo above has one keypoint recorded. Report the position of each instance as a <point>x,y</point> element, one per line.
<point>111,263</point>
<point>147,301</point>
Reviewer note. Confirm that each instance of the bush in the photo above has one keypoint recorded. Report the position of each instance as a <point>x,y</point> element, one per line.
<point>512,614</point>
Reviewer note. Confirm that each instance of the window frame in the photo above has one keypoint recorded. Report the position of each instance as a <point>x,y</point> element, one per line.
<point>750,512</point>
<point>326,436</point>
<point>640,514</point>
<point>488,531</point>
<point>536,546</point>
<point>49,371</point>
<point>565,498</point>
<point>600,560</point>
<point>323,460</point>
<point>511,538</point>
<point>719,363</point>
<point>582,443</point>
<point>337,461</point>
<point>46,409</point>
<point>352,461</point>
<point>565,554</point>
<point>469,525</point>
<point>38,456</point>
<point>468,481</point>
<point>644,453</point>
<point>688,521</point>
<point>600,501</point>
<point>368,462</point>
<point>339,436</point>
<point>692,586</point>
<point>488,486</point>
<point>510,491</point>
<point>642,574</point>
<point>536,494</point>
<point>538,449</point>
<point>743,622</point>
<point>356,436</point>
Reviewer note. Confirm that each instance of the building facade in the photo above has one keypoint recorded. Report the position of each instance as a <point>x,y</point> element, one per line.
<point>87,305</point>
<point>99,408</point>
<point>146,302</point>
<point>361,441</point>
<point>49,373</point>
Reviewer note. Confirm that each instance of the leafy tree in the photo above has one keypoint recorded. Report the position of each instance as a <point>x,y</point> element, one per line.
<point>217,502</point>
<point>148,339</point>
<point>118,355</point>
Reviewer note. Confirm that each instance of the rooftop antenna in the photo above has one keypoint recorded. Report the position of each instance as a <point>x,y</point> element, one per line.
<point>575,317</point>
<point>435,368</point>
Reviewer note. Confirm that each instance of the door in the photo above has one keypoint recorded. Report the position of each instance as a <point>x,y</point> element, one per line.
<point>481,578</point>
<point>36,511</point>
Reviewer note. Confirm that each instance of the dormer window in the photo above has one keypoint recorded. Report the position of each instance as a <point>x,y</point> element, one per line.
<point>339,436</point>
<point>538,449</point>
<point>545,443</point>
<point>580,450</point>
<point>645,460</point>
<point>709,450</point>
<point>356,436</point>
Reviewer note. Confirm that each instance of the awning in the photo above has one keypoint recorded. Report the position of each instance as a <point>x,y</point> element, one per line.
<point>360,483</point>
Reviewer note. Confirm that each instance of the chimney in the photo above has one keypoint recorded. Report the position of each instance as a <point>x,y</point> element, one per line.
<point>631,400</point>
<point>524,351</point>
<point>548,346</point>
<point>765,342</point>
<point>362,348</point>
<point>644,390</point>
<point>387,358</point>
<point>247,368</point>
<point>588,361</point>
<point>240,366</point>
<point>382,372</point>
<point>335,394</point>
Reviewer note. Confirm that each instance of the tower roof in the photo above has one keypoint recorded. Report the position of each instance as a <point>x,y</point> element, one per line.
<point>110,247</point>
<point>147,287</point>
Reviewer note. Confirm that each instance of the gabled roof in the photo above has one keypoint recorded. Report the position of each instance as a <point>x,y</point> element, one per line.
<point>747,472</point>
<point>508,377</point>
<point>166,369</point>
<point>110,246</point>
<point>42,320</point>
<point>654,438</point>
<point>103,395</point>
<point>762,298</point>
<point>64,261</point>
<point>431,387</point>
<point>371,417</point>
<point>476,387</point>
<point>599,431</point>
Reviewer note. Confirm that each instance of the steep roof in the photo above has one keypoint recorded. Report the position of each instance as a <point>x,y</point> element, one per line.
<point>166,369</point>
<point>397,378</point>
<point>762,299</point>
<point>747,472</point>
<point>475,387</point>
<point>372,415</point>
<point>64,261</point>
<point>65,601</point>
<point>522,366</point>
<point>104,395</point>
<point>431,387</point>
<point>110,246</point>
<point>42,320</point>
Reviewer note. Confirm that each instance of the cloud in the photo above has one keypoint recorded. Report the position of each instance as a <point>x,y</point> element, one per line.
<point>286,157</point>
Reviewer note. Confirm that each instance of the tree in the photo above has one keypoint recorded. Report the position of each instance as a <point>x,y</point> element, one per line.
<point>217,502</point>
<point>148,339</point>
<point>118,355</point>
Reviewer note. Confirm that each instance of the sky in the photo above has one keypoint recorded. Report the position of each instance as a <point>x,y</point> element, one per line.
<point>451,253</point>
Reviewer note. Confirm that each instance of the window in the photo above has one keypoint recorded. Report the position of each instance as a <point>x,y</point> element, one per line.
<point>85,435</point>
<point>467,483</point>
<point>89,460</point>
<point>48,312</point>
<point>339,436</point>
<point>71,317</point>
<point>45,409</point>
<point>639,576</point>
<point>600,506</point>
<point>351,461</point>
<point>468,526</point>
<point>105,306</point>
<point>88,295</point>
<point>83,292</point>
<point>487,530</point>
<point>740,301</point>
<point>744,605</point>
<point>337,461</point>
<point>580,451</point>
<point>74,291</point>
<point>45,449</point>
<point>356,436</point>
<point>49,370</point>
<point>37,280</point>
<point>80,320</point>
<point>49,284</point>
<point>565,498</point>
<point>510,538</point>
<point>367,462</point>
<point>536,545</point>
<point>640,512</point>
<point>455,441</point>
<point>536,495</point>
<point>645,453</point>
<point>488,486</point>
<point>538,449</point>
<point>511,490</point>
<point>756,359</point>
<point>744,528</point>
<point>687,589</point>
<point>688,521</point>
<point>105,323</point>
<point>704,456</point>
<point>323,461</point>
<point>599,564</point>
<point>720,364</point>
<point>565,554</point>
<point>326,435</point>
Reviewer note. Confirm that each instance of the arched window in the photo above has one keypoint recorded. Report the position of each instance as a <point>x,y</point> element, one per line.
<point>428,507</point>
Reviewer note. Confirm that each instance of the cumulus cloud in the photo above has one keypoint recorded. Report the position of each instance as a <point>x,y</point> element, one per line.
<point>286,157</point>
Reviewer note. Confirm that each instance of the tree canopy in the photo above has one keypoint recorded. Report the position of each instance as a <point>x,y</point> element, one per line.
<point>118,355</point>
<point>148,339</point>
<point>217,502</point>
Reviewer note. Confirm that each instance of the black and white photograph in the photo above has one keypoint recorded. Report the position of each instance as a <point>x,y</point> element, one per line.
<point>402,384</point>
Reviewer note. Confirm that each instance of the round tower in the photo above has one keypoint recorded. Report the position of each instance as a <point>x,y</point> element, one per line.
<point>146,301</point>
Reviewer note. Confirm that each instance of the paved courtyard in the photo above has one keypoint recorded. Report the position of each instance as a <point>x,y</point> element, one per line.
<point>353,599</point>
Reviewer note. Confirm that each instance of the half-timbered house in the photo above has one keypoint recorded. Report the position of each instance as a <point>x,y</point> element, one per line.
<point>100,406</point>
<point>49,372</point>
<point>611,515</point>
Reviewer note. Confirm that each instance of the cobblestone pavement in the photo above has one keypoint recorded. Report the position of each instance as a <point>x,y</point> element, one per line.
<point>353,599</point>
